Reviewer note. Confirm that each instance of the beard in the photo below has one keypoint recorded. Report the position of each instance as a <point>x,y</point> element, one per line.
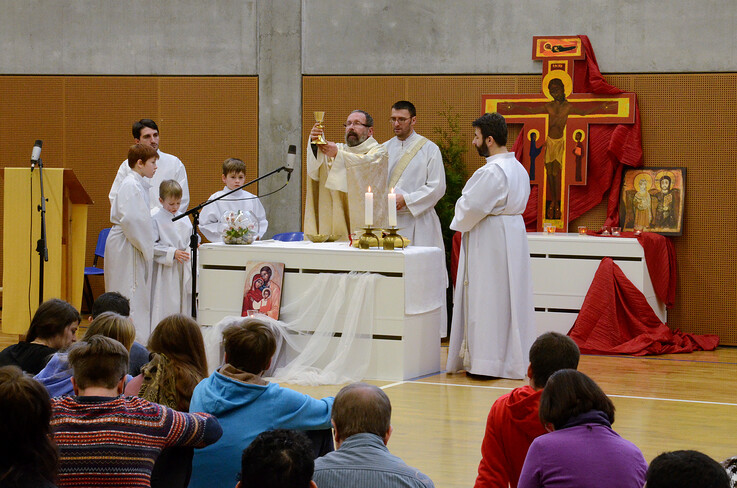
<point>353,139</point>
<point>483,150</point>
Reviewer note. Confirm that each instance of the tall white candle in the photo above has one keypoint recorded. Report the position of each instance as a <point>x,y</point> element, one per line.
<point>392,209</point>
<point>369,208</point>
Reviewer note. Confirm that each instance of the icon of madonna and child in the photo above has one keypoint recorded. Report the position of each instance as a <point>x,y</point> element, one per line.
<point>262,291</point>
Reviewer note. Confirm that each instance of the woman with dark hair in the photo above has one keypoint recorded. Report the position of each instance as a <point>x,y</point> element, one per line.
<point>53,327</point>
<point>28,456</point>
<point>581,450</point>
<point>178,363</point>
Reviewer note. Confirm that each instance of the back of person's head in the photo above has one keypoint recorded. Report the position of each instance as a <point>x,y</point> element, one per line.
<point>142,152</point>
<point>684,469</point>
<point>249,345</point>
<point>179,338</point>
<point>114,326</point>
<point>549,353</point>
<point>26,447</point>
<point>51,318</point>
<point>278,459</point>
<point>138,127</point>
<point>233,165</point>
<point>405,105</point>
<point>170,189</point>
<point>111,301</point>
<point>98,361</point>
<point>361,408</point>
<point>494,125</point>
<point>569,393</point>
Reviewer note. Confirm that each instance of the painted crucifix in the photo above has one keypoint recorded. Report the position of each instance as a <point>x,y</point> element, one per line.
<point>556,125</point>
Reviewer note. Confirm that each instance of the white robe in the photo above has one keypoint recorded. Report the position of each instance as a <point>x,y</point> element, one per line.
<point>168,167</point>
<point>493,295</point>
<point>337,186</point>
<point>211,216</point>
<point>129,251</point>
<point>171,287</point>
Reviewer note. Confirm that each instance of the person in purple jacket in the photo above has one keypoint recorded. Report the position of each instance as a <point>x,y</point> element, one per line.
<point>581,450</point>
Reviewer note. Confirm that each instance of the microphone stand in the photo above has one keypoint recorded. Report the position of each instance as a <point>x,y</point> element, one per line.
<point>41,246</point>
<point>194,239</point>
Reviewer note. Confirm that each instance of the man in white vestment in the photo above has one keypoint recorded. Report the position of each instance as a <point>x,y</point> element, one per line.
<point>145,131</point>
<point>339,177</point>
<point>417,175</point>
<point>493,324</point>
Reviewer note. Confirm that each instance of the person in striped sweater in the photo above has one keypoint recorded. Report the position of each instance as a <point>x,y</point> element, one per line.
<point>107,439</point>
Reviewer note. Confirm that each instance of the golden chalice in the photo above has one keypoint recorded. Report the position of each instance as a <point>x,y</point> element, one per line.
<point>319,116</point>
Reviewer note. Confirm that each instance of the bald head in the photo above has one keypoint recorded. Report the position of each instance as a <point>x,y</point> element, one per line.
<point>361,408</point>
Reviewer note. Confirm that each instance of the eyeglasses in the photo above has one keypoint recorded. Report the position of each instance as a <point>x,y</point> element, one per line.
<point>401,120</point>
<point>355,124</point>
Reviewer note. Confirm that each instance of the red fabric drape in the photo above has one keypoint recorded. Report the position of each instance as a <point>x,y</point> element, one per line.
<point>616,319</point>
<point>610,147</point>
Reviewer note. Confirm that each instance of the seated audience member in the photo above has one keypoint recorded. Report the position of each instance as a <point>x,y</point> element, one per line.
<point>57,375</point>
<point>246,404</point>
<point>686,469</point>
<point>513,421</point>
<point>28,456</point>
<point>362,425</point>
<point>178,363</point>
<point>113,301</point>
<point>278,459</point>
<point>107,439</point>
<point>581,449</point>
<point>52,328</point>
<point>731,466</point>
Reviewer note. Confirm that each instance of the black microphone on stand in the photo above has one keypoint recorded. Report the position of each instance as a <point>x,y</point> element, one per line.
<point>291,158</point>
<point>36,154</point>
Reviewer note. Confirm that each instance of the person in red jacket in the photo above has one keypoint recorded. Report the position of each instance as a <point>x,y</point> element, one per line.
<point>513,421</point>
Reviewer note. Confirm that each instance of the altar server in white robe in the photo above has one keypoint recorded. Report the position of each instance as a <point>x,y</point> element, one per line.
<point>493,316</point>
<point>172,280</point>
<point>417,176</point>
<point>129,249</point>
<point>145,131</point>
<point>211,217</point>
<point>339,177</point>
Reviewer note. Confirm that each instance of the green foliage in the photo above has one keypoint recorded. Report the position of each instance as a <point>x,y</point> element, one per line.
<point>452,147</point>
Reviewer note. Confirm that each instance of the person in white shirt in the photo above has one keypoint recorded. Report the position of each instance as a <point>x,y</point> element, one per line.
<point>145,131</point>
<point>234,175</point>
<point>172,282</point>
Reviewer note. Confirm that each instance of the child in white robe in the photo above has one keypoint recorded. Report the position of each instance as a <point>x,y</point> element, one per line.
<point>129,249</point>
<point>234,175</point>
<point>172,279</point>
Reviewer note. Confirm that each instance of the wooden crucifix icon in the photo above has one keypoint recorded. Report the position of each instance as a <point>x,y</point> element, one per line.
<point>556,125</point>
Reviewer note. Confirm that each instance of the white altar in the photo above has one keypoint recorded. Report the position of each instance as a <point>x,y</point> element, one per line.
<point>563,267</point>
<point>409,293</point>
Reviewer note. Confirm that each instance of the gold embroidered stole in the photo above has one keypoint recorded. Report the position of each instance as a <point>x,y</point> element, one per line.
<point>405,160</point>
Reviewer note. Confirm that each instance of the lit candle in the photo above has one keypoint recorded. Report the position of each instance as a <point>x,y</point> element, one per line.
<point>392,209</point>
<point>369,204</point>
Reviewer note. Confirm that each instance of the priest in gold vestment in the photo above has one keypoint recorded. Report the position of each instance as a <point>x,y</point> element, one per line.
<point>340,174</point>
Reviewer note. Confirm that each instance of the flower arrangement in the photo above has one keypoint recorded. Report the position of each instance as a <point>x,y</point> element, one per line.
<point>240,228</point>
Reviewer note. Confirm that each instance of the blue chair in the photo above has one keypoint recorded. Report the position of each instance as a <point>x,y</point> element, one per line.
<point>93,270</point>
<point>289,236</point>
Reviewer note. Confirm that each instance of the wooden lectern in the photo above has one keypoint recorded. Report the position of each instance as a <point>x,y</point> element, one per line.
<point>66,234</point>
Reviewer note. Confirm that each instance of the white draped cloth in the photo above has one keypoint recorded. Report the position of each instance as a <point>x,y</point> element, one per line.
<point>168,167</point>
<point>335,303</point>
<point>493,324</point>
<point>211,217</point>
<point>171,287</point>
<point>129,251</point>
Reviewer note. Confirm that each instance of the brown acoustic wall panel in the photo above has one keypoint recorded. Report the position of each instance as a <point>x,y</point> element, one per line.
<point>687,120</point>
<point>85,123</point>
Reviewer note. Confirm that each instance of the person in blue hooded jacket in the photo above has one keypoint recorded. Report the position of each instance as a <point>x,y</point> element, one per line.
<point>246,405</point>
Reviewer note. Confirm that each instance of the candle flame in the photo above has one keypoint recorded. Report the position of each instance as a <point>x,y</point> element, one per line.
<point>392,190</point>
<point>369,190</point>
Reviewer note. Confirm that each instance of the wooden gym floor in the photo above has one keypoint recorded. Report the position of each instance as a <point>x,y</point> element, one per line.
<point>664,403</point>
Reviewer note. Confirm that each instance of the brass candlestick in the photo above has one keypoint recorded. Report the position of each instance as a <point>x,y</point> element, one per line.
<point>364,242</point>
<point>319,116</point>
<point>392,239</point>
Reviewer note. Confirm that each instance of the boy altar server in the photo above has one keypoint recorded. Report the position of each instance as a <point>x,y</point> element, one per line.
<point>129,250</point>
<point>234,175</point>
<point>172,281</point>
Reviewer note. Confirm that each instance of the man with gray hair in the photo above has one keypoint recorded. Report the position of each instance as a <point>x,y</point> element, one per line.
<point>361,420</point>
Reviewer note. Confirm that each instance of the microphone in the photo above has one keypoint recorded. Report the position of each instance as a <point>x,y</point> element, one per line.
<point>36,154</point>
<point>291,158</point>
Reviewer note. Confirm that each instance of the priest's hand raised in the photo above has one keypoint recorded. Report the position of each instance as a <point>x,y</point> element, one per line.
<point>330,149</point>
<point>316,132</point>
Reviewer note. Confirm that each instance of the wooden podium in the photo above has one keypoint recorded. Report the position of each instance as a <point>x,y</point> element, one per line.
<point>66,234</point>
